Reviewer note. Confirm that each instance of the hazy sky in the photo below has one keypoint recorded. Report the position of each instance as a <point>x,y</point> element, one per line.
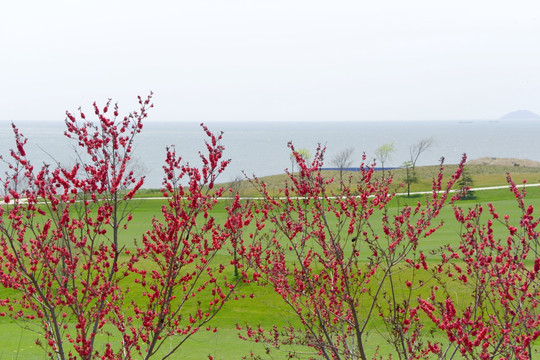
<point>254,60</point>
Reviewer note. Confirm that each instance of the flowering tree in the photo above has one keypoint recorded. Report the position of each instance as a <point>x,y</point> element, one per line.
<point>496,268</point>
<point>70,269</point>
<point>60,232</point>
<point>185,285</point>
<point>336,260</point>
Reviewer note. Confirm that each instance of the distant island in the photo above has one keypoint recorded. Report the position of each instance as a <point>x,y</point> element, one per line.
<point>521,115</point>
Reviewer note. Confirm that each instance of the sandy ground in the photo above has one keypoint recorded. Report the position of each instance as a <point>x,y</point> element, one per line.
<point>504,162</point>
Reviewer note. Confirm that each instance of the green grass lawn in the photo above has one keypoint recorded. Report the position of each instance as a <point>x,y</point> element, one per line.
<point>266,308</point>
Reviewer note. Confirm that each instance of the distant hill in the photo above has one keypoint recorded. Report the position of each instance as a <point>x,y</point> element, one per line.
<point>521,115</point>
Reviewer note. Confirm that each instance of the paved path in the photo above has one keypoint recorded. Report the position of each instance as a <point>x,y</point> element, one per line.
<point>22,201</point>
<point>333,197</point>
<point>477,189</point>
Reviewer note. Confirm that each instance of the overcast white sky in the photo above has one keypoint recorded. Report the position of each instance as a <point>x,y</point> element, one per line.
<point>250,60</point>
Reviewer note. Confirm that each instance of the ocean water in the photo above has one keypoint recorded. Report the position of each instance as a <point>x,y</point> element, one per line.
<point>260,148</point>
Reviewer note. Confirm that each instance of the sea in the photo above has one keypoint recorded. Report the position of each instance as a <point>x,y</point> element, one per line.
<point>260,148</point>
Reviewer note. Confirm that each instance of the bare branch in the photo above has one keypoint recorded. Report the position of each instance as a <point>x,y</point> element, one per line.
<point>417,149</point>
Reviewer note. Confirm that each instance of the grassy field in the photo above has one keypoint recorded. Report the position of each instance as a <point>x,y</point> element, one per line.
<point>266,308</point>
<point>482,175</point>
